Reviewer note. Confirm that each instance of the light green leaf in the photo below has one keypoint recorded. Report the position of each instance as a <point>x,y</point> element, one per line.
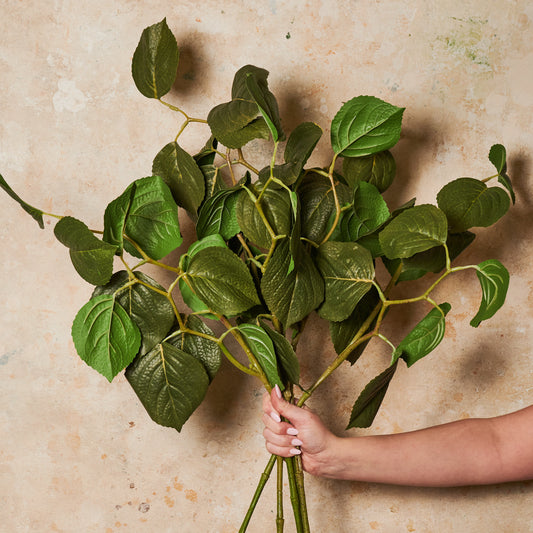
<point>170,383</point>
<point>155,61</point>
<point>414,230</point>
<point>91,257</point>
<point>365,125</point>
<point>221,280</point>
<point>35,213</point>
<point>367,405</point>
<point>469,203</point>
<point>494,280</point>
<point>424,337</point>
<point>151,311</point>
<point>262,347</point>
<point>378,169</point>
<point>348,271</point>
<point>180,172</point>
<point>104,335</point>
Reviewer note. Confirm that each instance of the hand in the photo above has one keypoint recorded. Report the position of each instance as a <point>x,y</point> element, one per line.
<point>304,434</point>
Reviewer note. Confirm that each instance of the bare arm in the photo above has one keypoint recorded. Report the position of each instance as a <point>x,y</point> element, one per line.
<point>464,452</point>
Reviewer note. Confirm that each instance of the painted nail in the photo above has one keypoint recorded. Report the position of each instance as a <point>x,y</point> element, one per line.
<point>294,451</point>
<point>278,392</point>
<point>292,431</point>
<point>296,442</point>
<point>275,416</point>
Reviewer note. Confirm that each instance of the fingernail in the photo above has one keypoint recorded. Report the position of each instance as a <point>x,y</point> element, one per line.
<point>278,392</point>
<point>296,442</point>
<point>294,451</point>
<point>292,431</point>
<point>275,416</point>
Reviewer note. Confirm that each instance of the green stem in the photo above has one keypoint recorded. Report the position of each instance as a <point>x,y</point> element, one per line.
<point>336,199</point>
<point>299,474</point>
<point>279,517</point>
<point>257,494</point>
<point>295,500</point>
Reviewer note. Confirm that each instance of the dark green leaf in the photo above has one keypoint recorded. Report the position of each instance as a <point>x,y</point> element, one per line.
<point>104,335</point>
<point>494,280</point>
<point>155,61</point>
<point>152,221</point>
<point>180,172</point>
<point>498,157</point>
<point>301,143</point>
<point>348,271</point>
<point>151,311</point>
<point>213,181</point>
<point>469,203</point>
<point>115,218</point>
<point>218,214</point>
<point>221,280</point>
<point>262,347</point>
<point>367,405</point>
<point>424,337</point>
<point>170,383</point>
<point>414,230</point>
<point>91,257</point>
<point>365,125</point>
<point>291,296</point>
<point>378,169</point>
<point>205,350</point>
<point>35,213</point>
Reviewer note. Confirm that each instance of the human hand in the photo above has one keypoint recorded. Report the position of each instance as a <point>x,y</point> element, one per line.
<point>304,434</point>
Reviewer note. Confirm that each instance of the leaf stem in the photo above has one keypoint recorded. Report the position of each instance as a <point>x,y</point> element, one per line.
<point>279,516</point>
<point>336,200</point>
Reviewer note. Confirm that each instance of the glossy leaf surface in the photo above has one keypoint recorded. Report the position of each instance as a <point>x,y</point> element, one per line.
<point>378,169</point>
<point>218,214</point>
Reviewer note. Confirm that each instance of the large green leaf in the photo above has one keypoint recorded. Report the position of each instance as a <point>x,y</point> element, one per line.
<point>262,347</point>
<point>152,220</point>
<point>155,61</point>
<point>494,280</point>
<point>365,125</point>
<point>91,257</point>
<point>203,349</point>
<point>367,405</point>
<point>291,294</point>
<point>414,230</point>
<point>368,213</point>
<point>424,337</point>
<point>498,157</point>
<point>236,123</point>
<point>170,383</point>
<point>35,213</point>
<point>348,271</point>
<point>151,311</point>
<point>469,203</point>
<point>276,206</point>
<point>378,169</point>
<point>105,336</point>
<point>218,214</point>
<point>180,172</point>
<point>221,280</point>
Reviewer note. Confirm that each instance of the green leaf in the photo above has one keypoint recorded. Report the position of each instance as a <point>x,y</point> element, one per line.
<point>155,61</point>
<point>236,123</point>
<point>180,172</point>
<point>218,214</point>
<point>151,311</point>
<point>424,337</point>
<point>213,181</point>
<point>494,280</point>
<point>262,347</point>
<point>348,271</point>
<point>205,350</point>
<point>469,203</point>
<point>221,280</point>
<point>91,257</point>
<point>301,143</point>
<point>35,213</point>
<point>152,220</point>
<point>498,157</point>
<point>378,169</point>
<point>369,212</point>
<point>365,125</point>
<point>170,383</point>
<point>104,335</point>
<point>288,363</point>
<point>414,230</point>
<point>291,296</point>
<point>367,405</point>
<point>115,218</point>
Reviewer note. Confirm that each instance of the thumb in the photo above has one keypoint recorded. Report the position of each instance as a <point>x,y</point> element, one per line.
<point>291,412</point>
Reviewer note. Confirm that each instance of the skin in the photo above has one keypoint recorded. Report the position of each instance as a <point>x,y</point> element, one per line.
<point>475,451</point>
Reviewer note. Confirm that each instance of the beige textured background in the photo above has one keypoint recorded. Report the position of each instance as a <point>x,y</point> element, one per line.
<point>80,455</point>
